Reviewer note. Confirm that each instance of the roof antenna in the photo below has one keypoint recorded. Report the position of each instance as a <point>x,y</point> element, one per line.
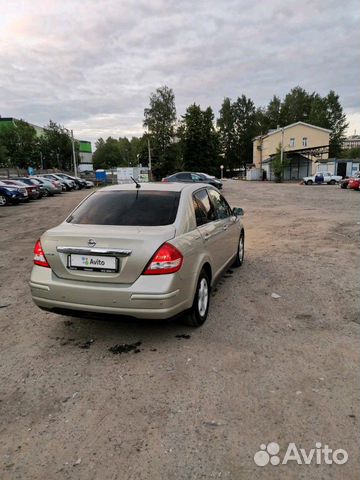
<point>136,183</point>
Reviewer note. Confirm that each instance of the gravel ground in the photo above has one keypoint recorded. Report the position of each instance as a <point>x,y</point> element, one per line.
<point>179,403</point>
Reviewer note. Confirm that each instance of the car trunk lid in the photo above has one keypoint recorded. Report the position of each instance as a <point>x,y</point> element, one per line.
<point>131,246</point>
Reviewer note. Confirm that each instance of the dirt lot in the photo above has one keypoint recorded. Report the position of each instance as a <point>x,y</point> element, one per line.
<point>192,404</point>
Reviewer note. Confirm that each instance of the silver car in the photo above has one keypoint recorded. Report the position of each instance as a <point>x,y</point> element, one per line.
<point>151,251</point>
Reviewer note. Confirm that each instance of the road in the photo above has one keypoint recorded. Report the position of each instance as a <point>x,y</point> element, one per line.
<point>192,403</point>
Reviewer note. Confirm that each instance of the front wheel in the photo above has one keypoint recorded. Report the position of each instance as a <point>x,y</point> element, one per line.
<point>309,182</point>
<point>3,200</point>
<point>332,182</point>
<point>200,308</point>
<point>239,260</point>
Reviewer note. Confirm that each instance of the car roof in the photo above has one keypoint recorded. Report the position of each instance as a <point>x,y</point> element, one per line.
<point>157,186</point>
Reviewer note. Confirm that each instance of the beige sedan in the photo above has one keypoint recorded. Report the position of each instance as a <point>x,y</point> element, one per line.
<point>149,252</point>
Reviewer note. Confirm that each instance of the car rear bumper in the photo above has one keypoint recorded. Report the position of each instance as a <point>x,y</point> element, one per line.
<point>149,297</point>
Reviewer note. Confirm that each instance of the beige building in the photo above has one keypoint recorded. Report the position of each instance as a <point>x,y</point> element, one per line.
<point>303,144</point>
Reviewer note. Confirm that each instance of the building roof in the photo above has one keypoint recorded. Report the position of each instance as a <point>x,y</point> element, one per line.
<point>277,130</point>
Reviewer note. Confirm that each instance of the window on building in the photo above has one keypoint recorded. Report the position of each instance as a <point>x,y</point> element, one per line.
<point>305,142</point>
<point>292,142</point>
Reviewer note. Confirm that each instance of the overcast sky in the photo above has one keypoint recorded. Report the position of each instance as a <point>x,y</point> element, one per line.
<point>92,64</point>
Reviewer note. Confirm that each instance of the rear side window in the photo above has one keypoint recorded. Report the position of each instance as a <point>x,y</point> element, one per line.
<point>204,210</point>
<point>132,208</point>
<point>221,206</point>
<point>183,176</point>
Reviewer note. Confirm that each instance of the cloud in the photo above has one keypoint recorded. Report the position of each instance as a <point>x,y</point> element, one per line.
<point>92,65</point>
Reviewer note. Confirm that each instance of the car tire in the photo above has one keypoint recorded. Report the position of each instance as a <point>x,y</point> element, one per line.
<point>332,182</point>
<point>3,200</point>
<point>309,182</point>
<point>343,185</point>
<point>239,260</point>
<point>46,193</point>
<point>200,307</point>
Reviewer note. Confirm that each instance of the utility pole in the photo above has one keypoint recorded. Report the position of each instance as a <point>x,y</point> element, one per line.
<point>282,146</point>
<point>149,159</point>
<point>73,152</point>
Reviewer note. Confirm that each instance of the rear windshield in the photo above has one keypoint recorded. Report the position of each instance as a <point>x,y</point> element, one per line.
<point>135,208</point>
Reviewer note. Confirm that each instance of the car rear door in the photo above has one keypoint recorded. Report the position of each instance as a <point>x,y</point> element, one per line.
<point>210,228</point>
<point>227,224</point>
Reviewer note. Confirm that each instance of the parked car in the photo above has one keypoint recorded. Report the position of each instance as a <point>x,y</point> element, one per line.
<point>50,188</point>
<point>38,185</point>
<point>32,190</point>
<point>211,180</point>
<point>321,178</point>
<point>354,183</point>
<point>89,184</point>
<point>9,195</point>
<point>191,177</point>
<point>150,252</point>
<point>24,197</point>
<point>345,181</point>
<point>68,184</point>
<point>79,182</point>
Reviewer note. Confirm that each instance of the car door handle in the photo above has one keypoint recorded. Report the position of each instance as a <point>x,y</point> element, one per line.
<point>207,236</point>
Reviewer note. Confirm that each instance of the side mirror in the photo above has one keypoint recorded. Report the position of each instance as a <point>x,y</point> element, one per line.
<point>238,212</point>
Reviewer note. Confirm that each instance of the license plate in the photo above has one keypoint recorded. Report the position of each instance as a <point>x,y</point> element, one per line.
<point>93,263</point>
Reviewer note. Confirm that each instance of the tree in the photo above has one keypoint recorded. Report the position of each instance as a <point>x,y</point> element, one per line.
<point>337,123</point>
<point>4,156</point>
<point>278,165</point>
<point>160,120</point>
<point>108,154</point>
<point>56,147</point>
<point>199,140</point>
<point>19,143</point>
<point>350,153</point>
<point>295,107</point>
<point>227,137</point>
<point>246,128</point>
<point>272,115</point>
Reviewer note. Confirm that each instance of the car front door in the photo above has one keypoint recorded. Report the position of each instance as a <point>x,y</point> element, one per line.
<point>227,224</point>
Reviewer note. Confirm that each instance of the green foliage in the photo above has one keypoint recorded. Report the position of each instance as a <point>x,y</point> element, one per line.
<point>4,157</point>
<point>19,144</point>
<point>160,120</point>
<point>337,123</point>
<point>238,124</point>
<point>350,153</point>
<point>199,140</point>
<point>112,153</point>
<point>56,147</point>
<point>279,165</point>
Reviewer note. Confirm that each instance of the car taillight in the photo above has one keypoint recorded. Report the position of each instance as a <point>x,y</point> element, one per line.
<point>165,180</point>
<point>167,259</point>
<point>39,256</point>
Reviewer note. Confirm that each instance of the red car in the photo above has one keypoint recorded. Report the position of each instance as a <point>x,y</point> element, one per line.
<point>354,183</point>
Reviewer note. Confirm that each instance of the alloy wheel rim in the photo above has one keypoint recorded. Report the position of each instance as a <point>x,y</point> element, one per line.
<point>2,200</point>
<point>203,297</point>
<point>241,249</point>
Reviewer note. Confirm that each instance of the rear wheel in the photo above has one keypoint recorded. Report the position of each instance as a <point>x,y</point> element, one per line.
<point>332,182</point>
<point>200,308</point>
<point>239,260</point>
<point>3,200</point>
<point>309,182</point>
